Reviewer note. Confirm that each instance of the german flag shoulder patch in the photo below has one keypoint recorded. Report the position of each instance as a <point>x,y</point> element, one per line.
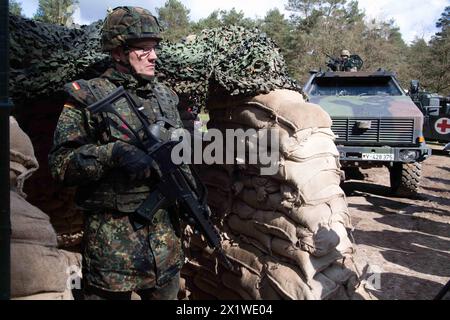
<point>76,86</point>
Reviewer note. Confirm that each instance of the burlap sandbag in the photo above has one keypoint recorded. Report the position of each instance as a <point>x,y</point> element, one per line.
<point>269,290</point>
<point>246,227</point>
<point>276,224</point>
<point>22,160</point>
<point>267,184</point>
<point>247,284</point>
<point>319,243</point>
<point>307,144</point>
<point>300,173</point>
<point>322,287</point>
<point>246,256</point>
<point>312,217</point>
<point>270,202</point>
<point>288,282</point>
<point>29,224</point>
<point>340,273</point>
<point>308,264</point>
<point>322,189</point>
<point>294,222</point>
<point>283,107</point>
<point>37,269</point>
<point>243,210</point>
<point>211,284</point>
<point>66,295</point>
<point>326,238</point>
<point>219,200</point>
<point>215,176</point>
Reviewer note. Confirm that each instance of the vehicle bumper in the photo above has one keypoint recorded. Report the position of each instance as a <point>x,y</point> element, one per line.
<point>384,154</point>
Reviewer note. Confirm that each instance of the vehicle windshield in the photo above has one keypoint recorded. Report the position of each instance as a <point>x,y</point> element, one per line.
<point>347,86</point>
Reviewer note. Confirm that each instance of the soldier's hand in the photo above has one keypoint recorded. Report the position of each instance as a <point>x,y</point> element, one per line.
<point>134,162</point>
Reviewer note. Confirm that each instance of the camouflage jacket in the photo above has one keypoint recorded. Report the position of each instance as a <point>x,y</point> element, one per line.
<point>116,257</point>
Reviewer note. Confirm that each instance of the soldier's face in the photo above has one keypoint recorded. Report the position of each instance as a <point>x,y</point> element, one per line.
<point>142,57</point>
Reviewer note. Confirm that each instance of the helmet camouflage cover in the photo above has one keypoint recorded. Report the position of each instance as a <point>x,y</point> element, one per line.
<point>128,23</point>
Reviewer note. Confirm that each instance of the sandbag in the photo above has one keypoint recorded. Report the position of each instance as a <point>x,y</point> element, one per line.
<point>22,160</point>
<point>290,105</point>
<point>308,264</point>
<point>288,283</point>
<point>300,173</point>
<point>66,295</point>
<point>37,269</point>
<point>319,243</point>
<point>276,224</point>
<point>323,287</point>
<point>247,284</point>
<point>308,144</point>
<point>247,256</point>
<point>281,232</point>
<point>29,224</point>
<point>246,227</point>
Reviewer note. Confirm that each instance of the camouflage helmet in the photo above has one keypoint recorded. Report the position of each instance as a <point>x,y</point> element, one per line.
<point>128,23</point>
<point>345,53</point>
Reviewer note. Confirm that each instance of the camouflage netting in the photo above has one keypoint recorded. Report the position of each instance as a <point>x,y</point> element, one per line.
<point>285,234</point>
<point>43,57</point>
<point>229,60</point>
<point>234,60</point>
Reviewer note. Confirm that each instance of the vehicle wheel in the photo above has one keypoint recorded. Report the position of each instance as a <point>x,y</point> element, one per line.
<point>405,179</point>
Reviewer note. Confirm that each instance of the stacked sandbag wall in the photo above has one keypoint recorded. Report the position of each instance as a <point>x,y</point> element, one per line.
<point>286,234</point>
<point>39,270</point>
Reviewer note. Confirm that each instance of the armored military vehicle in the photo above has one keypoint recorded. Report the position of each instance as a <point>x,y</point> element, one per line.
<point>376,123</point>
<point>436,111</point>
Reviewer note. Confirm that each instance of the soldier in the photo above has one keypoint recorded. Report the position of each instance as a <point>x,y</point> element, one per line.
<point>345,62</point>
<point>113,176</point>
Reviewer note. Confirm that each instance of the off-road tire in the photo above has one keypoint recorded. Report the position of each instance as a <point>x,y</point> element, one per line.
<point>405,179</point>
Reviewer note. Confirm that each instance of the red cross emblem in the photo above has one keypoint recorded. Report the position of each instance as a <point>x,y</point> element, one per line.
<point>442,126</point>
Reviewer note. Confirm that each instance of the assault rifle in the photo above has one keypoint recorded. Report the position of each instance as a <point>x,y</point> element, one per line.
<point>176,183</point>
<point>333,63</point>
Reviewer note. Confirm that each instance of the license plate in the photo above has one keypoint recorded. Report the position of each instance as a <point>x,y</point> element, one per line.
<point>378,156</point>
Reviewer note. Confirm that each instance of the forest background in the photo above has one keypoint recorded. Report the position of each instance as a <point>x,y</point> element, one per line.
<point>313,29</point>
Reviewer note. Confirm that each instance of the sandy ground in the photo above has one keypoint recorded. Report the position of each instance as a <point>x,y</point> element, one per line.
<point>403,245</point>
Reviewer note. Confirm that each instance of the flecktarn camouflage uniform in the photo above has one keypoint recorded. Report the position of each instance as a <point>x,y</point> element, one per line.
<point>116,257</point>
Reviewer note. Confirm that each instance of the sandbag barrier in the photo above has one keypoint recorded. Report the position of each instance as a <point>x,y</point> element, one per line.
<point>39,270</point>
<point>286,234</point>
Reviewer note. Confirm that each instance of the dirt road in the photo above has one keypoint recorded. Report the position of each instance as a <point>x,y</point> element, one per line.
<point>403,245</point>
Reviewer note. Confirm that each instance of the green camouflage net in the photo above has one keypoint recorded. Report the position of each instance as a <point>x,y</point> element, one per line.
<point>43,57</point>
<point>228,60</point>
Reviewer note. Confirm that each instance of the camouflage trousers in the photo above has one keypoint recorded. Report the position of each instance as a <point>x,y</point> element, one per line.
<point>117,258</point>
<point>167,292</point>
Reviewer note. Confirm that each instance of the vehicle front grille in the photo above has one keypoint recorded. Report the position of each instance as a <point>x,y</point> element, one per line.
<point>380,131</point>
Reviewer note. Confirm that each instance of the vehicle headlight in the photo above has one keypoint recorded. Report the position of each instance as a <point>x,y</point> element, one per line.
<point>408,155</point>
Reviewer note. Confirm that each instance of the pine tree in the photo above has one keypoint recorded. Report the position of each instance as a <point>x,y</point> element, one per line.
<point>15,7</point>
<point>56,11</point>
<point>439,64</point>
<point>174,17</point>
